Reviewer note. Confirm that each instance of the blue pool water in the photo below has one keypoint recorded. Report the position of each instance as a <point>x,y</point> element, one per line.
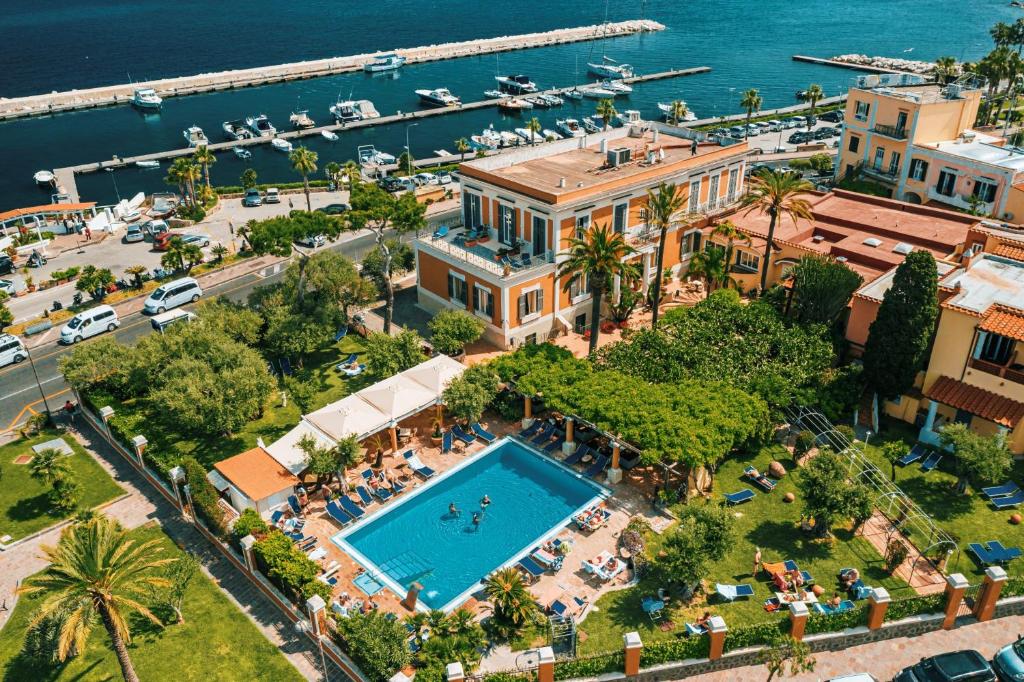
<point>417,540</point>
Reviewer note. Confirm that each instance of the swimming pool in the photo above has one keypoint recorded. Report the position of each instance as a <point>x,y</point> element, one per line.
<point>416,539</point>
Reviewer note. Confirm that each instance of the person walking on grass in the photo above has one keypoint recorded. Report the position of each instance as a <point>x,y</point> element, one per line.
<point>757,561</point>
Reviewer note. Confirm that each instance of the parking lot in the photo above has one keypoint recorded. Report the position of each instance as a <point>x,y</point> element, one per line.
<point>786,135</point>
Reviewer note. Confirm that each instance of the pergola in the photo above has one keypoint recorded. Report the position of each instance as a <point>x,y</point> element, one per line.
<point>38,214</point>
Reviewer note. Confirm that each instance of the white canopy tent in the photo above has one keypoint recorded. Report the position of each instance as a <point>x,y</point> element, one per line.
<point>286,449</point>
<point>350,416</point>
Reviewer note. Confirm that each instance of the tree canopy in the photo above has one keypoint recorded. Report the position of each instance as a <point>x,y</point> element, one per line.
<point>452,330</point>
<point>377,644</point>
<point>823,287</point>
<point>387,355</point>
<point>980,460</point>
<point>468,395</point>
<point>702,537</point>
<point>829,496</point>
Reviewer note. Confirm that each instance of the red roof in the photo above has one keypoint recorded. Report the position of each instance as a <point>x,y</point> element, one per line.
<point>977,401</point>
<point>45,208</point>
<point>1004,321</point>
<point>1009,251</point>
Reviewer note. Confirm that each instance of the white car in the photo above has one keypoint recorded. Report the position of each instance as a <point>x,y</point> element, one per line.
<point>88,323</point>
<point>425,179</point>
<point>172,294</point>
<point>7,286</point>
<point>198,239</point>
<point>11,350</point>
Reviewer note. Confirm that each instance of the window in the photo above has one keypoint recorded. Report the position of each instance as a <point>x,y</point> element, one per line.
<point>531,303</point>
<point>894,163</point>
<point>997,349</point>
<point>471,216</point>
<point>854,144</point>
<point>861,110</point>
<point>582,225</point>
<point>579,287</point>
<point>507,218</point>
<point>457,288</point>
<point>946,183</point>
<point>747,262</point>
<point>901,121</point>
<point>918,169</point>
<point>713,191</point>
<point>694,196</point>
<point>879,158</point>
<point>530,339</point>
<point>690,244</point>
<point>483,300</point>
<point>540,236</point>
<point>621,211</point>
<point>985,190</point>
<point>734,178</point>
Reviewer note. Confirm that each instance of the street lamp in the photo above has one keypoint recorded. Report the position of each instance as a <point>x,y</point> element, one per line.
<point>39,384</point>
<point>114,180</point>
<point>408,149</point>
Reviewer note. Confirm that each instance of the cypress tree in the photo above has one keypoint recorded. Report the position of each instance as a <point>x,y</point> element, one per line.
<point>898,340</point>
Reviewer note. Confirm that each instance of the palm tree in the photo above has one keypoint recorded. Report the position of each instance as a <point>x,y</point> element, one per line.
<point>710,265</point>
<point>813,95</point>
<point>49,465</point>
<point>663,207</point>
<point>534,126</point>
<point>333,171</point>
<point>205,158</point>
<point>191,173</point>
<point>97,573</point>
<point>512,601</point>
<point>677,111</point>
<point>136,272</point>
<point>751,102</point>
<point>774,193</point>
<point>354,174</point>
<point>303,162</point>
<point>728,231</point>
<point>945,69</point>
<point>248,178</point>
<point>176,176</point>
<point>597,258</point>
<point>1002,34</point>
<point>606,110</point>
<point>462,146</point>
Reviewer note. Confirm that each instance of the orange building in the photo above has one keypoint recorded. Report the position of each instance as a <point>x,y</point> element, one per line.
<point>520,209</point>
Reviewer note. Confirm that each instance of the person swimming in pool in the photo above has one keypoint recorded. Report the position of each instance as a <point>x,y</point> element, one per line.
<point>453,510</point>
<point>476,518</point>
<point>484,502</point>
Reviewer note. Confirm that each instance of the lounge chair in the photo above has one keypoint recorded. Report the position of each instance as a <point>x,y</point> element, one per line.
<point>597,520</point>
<point>293,502</point>
<point>364,495</point>
<point>984,555</point>
<point>916,453</point>
<point>584,516</point>
<point>543,435</point>
<point>416,465</point>
<point>508,263</point>
<point>531,569</point>
<point>1005,554</point>
<point>654,608</point>
<point>397,486</point>
<point>482,433</point>
<point>826,610</point>
<point>531,429</point>
<point>733,592</point>
<point>342,333</point>
<point>349,507</point>
<point>597,467</point>
<point>582,450</point>
<point>441,232</point>
<point>447,441</point>
<point>558,608</point>
<point>459,433</point>
<point>554,445</point>
<point>338,514</point>
<point>694,630</point>
<point>740,496</point>
<point>353,371</point>
<point>1008,488</point>
<point>1014,500</point>
<point>346,362</point>
<point>524,258</point>
<point>931,461</point>
<point>759,478</point>
<point>552,562</point>
<point>276,516</point>
<point>383,494</point>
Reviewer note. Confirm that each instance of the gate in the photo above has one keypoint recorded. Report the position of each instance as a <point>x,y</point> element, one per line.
<point>971,595</point>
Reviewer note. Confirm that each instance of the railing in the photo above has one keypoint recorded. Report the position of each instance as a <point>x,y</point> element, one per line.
<point>895,132</point>
<point>1004,372</point>
<point>877,172</point>
<point>496,268</point>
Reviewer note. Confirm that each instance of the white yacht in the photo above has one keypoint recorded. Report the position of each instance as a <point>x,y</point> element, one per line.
<point>616,86</point>
<point>608,68</point>
<point>301,120</point>
<point>593,124</point>
<point>44,177</point>
<point>147,164</point>
<point>629,117</point>
<point>493,94</point>
<point>385,62</point>
<point>281,145</point>
<point>330,135</point>
<point>530,136</point>
<point>575,93</point>
<point>667,110</point>
<point>516,85</point>
<point>345,112</point>
<point>366,109</point>
<point>260,126</point>
<point>596,92</point>
<point>570,127</point>
<point>550,134</point>
<point>146,98</point>
<point>441,97</point>
<point>242,153</point>
<point>552,100</point>
<point>509,139</point>
<point>489,139</point>
<point>236,130</point>
<point>195,137</point>
<point>368,155</point>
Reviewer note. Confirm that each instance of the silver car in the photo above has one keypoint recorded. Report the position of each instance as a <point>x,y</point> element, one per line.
<point>7,286</point>
<point>133,234</point>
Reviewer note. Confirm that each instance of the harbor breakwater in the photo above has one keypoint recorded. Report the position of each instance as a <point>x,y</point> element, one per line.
<point>54,102</point>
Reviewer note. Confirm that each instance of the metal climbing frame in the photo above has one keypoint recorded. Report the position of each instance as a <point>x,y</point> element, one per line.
<point>898,508</point>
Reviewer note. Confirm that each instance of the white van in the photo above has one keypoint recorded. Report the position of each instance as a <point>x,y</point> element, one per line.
<point>11,350</point>
<point>88,323</point>
<point>172,294</point>
<point>164,320</point>
<point>273,196</point>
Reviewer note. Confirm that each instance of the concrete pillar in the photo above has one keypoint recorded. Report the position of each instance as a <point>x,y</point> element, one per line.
<point>570,436</point>
<point>527,412</point>
<point>411,596</point>
<point>614,472</point>
<point>716,637</point>
<point>316,607</point>
<point>633,646</point>
<point>247,544</point>
<point>139,443</point>
<point>985,607</point>
<point>177,476</point>
<point>798,614</point>
<point>929,423</point>
<point>545,664</point>
<point>453,672</point>
<point>878,604</point>
<point>956,585</point>
<point>105,414</point>
<point>393,432</point>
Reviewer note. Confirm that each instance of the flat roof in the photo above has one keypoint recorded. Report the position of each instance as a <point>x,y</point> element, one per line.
<point>983,149</point>
<point>875,290</point>
<point>925,93</point>
<point>256,474</point>
<point>986,281</point>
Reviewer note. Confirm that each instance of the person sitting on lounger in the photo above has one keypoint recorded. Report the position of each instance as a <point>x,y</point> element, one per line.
<point>849,578</point>
<point>780,582</point>
<point>835,601</point>
<point>796,578</point>
<point>611,564</point>
<point>702,622</point>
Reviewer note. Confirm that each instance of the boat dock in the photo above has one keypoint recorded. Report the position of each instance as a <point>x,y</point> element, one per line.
<point>55,102</point>
<point>866,68</point>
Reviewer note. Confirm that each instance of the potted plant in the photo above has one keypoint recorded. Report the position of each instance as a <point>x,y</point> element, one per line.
<point>436,434</point>
<point>29,284</point>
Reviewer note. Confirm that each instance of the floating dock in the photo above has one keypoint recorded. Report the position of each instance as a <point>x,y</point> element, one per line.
<point>37,105</point>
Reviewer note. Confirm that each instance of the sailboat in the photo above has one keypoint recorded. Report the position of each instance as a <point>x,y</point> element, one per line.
<point>609,68</point>
<point>575,92</point>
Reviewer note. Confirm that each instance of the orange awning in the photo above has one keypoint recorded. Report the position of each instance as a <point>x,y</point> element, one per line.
<point>45,208</point>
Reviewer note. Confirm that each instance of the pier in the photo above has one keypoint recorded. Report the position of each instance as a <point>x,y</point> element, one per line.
<point>866,68</point>
<point>55,102</point>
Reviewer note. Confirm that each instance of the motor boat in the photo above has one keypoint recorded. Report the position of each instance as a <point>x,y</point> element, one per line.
<point>493,94</point>
<point>667,110</point>
<point>609,68</point>
<point>537,102</point>
<point>514,104</point>
<point>509,139</point>
<point>591,125</point>
<point>575,93</point>
<point>369,155</point>
<point>384,62</point>
<point>301,120</point>
<point>260,126</point>
<point>529,136</point>
<point>596,92</point>
<point>570,127</point>
<point>345,112</point>
<point>281,145</point>
<point>44,177</point>
<point>242,153</point>
<point>488,139</point>
<point>147,164</point>
<point>366,109</point>
<point>616,86</point>
<point>195,137</point>
<point>440,97</point>
<point>550,134</point>
<point>146,98</point>
<point>628,117</point>
<point>552,100</point>
<point>236,130</point>
<point>516,85</point>
<point>330,136</point>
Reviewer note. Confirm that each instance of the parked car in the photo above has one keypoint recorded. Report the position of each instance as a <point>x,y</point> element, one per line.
<point>133,234</point>
<point>797,138</point>
<point>1009,661</point>
<point>425,179</point>
<point>824,133</point>
<point>198,239</point>
<point>172,295</point>
<point>11,350</point>
<point>252,198</point>
<point>153,228</point>
<point>6,264</point>
<point>834,116</point>
<point>333,209</point>
<point>956,666</point>
<point>89,323</point>
<point>312,242</point>
<point>7,286</point>
<point>738,131</point>
<point>389,184</point>
<point>272,196</point>
<point>444,178</point>
<point>162,321</point>
<point>407,184</point>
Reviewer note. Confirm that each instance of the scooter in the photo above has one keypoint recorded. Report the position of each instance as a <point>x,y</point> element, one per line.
<point>36,260</point>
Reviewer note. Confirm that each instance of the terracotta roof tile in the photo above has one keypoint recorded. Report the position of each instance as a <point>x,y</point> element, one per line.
<point>1004,321</point>
<point>977,401</point>
<point>256,474</point>
<point>1009,251</point>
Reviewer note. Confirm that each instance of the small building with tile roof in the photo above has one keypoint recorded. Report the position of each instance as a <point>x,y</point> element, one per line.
<point>254,480</point>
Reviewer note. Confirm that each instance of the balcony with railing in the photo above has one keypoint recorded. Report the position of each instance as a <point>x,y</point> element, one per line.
<point>881,173</point>
<point>1012,372</point>
<point>966,202</point>
<point>895,132</point>
<point>483,251</point>
<point>642,235</point>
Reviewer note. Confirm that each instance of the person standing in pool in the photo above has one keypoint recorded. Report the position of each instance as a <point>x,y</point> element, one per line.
<point>484,502</point>
<point>453,510</point>
<point>476,519</point>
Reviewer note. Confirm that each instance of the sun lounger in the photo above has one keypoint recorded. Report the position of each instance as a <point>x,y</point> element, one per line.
<point>917,452</point>
<point>740,496</point>
<point>597,520</point>
<point>383,494</point>
<point>530,568</point>
<point>346,362</point>
<point>826,610</point>
<point>337,514</point>
<point>1014,500</point>
<point>597,467</point>
<point>554,445</point>
<point>1005,553</point>
<point>441,232</point>
<point>342,333</point>
<point>416,465</point>
<point>293,502</point>
<point>552,562</point>
<point>581,451</point>
<point>694,630</point>
<point>584,516</point>
<point>276,516</point>
<point>1008,488</point>
<point>397,486</point>
<point>482,433</point>
<point>353,371</point>
<point>931,461</point>
<point>543,435</point>
<point>531,429</point>
<point>364,495</point>
<point>462,435</point>
<point>446,442</point>
<point>984,555</point>
<point>733,592</point>
<point>317,554</point>
<point>759,478</point>
<point>349,507</point>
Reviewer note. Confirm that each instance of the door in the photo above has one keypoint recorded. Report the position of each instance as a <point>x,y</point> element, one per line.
<point>879,157</point>
<point>89,328</point>
<point>580,323</point>
<point>901,121</point>
<point>539,236</point>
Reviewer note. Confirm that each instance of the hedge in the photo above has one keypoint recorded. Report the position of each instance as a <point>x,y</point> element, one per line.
<point>856,617</point>
<point>756,635</point>
<point>1014,587</point>
<point>674,650</point>
<point>591,666</point>
<point>238,189</point>
<point>915,606</point>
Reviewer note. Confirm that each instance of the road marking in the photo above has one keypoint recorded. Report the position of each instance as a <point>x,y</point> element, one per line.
<point>33,387</point>
<point>29,408</point>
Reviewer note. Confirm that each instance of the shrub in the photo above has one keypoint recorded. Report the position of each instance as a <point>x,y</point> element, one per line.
<point>895,554</point>
<point>805,440</point>
<point>204,496</point>
<point>249,523</point>
<point>915,606</point>
<point>288,567</point>
<point>590,666</point>
<point>375,643</point>
<point>755,635</point>
<point>856,617</point>
<point>847,432</point>
<point>674,650</point>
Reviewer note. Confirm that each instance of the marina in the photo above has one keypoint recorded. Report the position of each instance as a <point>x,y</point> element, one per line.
<point>854,66</point>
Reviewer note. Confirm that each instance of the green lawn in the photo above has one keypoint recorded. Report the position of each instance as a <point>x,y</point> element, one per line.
<point>216,641</point>
<point>968,518</point>
<point>24,508</point>
<point>766,522</point>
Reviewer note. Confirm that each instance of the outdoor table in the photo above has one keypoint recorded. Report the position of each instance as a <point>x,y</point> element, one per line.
<point>791,598</point>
